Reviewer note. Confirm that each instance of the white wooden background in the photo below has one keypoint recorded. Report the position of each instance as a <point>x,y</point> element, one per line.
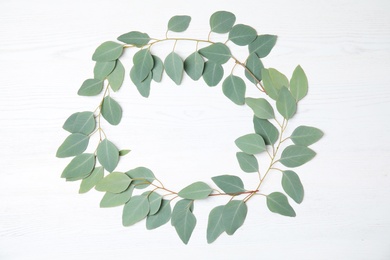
<point>185,133</point>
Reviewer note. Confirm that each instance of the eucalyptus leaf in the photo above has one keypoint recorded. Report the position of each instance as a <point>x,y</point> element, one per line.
<point>89,182</point>
<point>286,104</point>
<point>174,67</point>
<point>143,87</point>
<point>111,110</point>
<point>179,23</point>
<point>222,21</point>
<point>102,69</point>
<point>215,225</point>
<point>158,68</point>
<point>262,45</point>
<point>298,84</point>
<point>213,73</point>
<point>278,203</point>
<point>242,34</point>
<point>247,162</point>
<point>124,152</point>
<point>115,182</point>
<point>266,129</point>
<point>91,87</point>
<point>108,155</point>
<point>195,191</point>
<point>136,209</point>
<point>115,79</point>
<point>143,64</point>
<point>234,88</point>
<point>230,184</point>
<point>306,135</point>
<point>296,155</point>
<point>161,217</point>
<point>142,177</point>
<point>110,200</point>
<point>273,81</point>
<point>233,215</point>
<point>80,167</point>
<point>251,143</point>
<point>292,186</point>
<point>73,145</point>
<point>154,201</point>
<point>216,52</point>
<point>184,222</point>
<point>261,107</point>
<point>108,51</point>
<point>80,122</point>
<point>194,65</point>
<point>180,209</point>
<point>135,38</point>
<point>254,65</point>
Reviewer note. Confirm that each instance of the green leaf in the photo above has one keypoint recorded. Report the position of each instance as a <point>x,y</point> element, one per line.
<point>286,103</point>
<point>277,202</point>
<point>116,199</point>
<point>161,217</point>
<point>143,87</point>
<point>154,201</point>
<point>254,65</point>
<point>91,87</point>
<point>108,155</point>
<point>230,184</point>
<point>292,186</point>
<point>158,68</point>
<point>89,182</point>
<point>247,162</point>
<point>143,64</point>
<point>136,38</point>
<point>124,152</point>
<point>174,67</point>
<point>216,52</point>
<point>111,111</point>
<point>80,122</point>
<point>262,45</point>
<point>196,191</point>
<point>222,21</point>
<point>215,225</point>
<point>194,65</point>
<point>180,209</point>
<point>184,221</point>
<point>299,84</point>
<point>266,129</point>
<point>115,79</point>
<point>179,23</point>
<point>136,209</point>
<point>142,177</point>
<point>213,73</point>
<point>80,167</point>
<point>261,107</point>
<point>295,155</point>
<point>273,81</point>
<point>74,144</point>
<point>234,88</point>
<point>115,182</point>
<point>108,51</point>
<point>233,215</point>
<point>251,143</point>
<point>242,34</point>
<point>306,135</point>
<point>102,69</point>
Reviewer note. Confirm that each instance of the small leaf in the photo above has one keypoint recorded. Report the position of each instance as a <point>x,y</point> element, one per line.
<point>115,182</point>
<point>247,162</point>
<point>234,88</point>
<point>242,34</point>
<point>115,79</point>
<point>142,177</point>
<point>143,87</point>
<point>136,209</point>
<point>213,73</point>
<point>266,129</point>
<point>110,200</point>
<point>277,202</point>
<point>91,87</point>
<point>80,167</point>
<point>215,225</point>
<point>262,45</point>
<point>143,64</point>
<point>184,221</point>
<point>180,209</point>
<point>179,23</point>
<point>102,69</point>
<point>230,184</point>
<point>124,152</point>
<point>233,215</point>
<point>174,67</point>
<point>222,21</point>
<point>88,183</point>
<point>254,65</point>
<point>216,52</point>
<point>286,103</point>
<point>251,143</point>
<point>261,107</point>
<point>196,191</point>
<point>306,135</point>
<point>111,111</point>
<point>273,81</point>
<point>299,84</point>
<point>158,68</point>
<point>73,145</point>
<point>80,122</point>
<point>194,65</point>
<point>108,51</point>
<point>108,155</point>
<point>295,155</point>
<point>136,38</point>
<point>292,186</point>
<point>154,201</point>
<point>161,217</point>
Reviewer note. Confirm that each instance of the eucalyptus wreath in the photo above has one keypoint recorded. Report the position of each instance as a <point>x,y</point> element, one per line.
<point>138,190</point>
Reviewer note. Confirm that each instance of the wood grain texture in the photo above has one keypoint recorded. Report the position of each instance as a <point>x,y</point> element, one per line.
<point>185,133</point>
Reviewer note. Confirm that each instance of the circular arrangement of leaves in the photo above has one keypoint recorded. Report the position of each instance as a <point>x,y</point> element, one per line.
<point>156,202</point>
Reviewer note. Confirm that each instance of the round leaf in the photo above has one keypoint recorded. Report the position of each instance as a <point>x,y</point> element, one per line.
<point>174,67</point>
<point>213,73</point>
<point>115,182</point>
<point>262,45</point>
<point>251,143</point>
<point>295,155</point>
<point>261,107</point>
<point>234,88</point>
<point>80,167</point>
<point>222,21</point>
<point>306,135</point>
<point>136,38</point>
<point>108,51</point>
<point>230,184</point>
<point>196,191</point>
<point>73,145</point>
<point>91,87</point>
<point>216,52</point>
<point>242,34</point>
<point>111,111</point>
<point>194,65</point>
<point>179,23</point>
<point>292,186</point>
<point>215,225</point>
<point>277,202</point>
<point>108,155</point>
<point>299,84</point>
<point>80,122</point>
<point>136,209</point>
<point>233,215</point>
<point>247,162</point>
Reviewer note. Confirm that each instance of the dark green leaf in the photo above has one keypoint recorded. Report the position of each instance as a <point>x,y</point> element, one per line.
<point>124,152</point>
<point>254,65</point>
<point>91,87</point>
<point>154,201</point>
<point>306,135</point>
<point>142,177</point>
<point>286,104</point>
<point>158,68</point>
<point>108,155</point>
<point>216,52</point>
<point>292,186</point>
<point>263,45</point>
<point>277,202</point>
<point>212,73</point>
<point>116,199</point>
<point>174,67</point>
<point>242,34</point>
<point>194,65</point>
<point>136,38</point>
<point>73,145</point>
<point>80,122</point>
<point>108,51</point>
<point>115,79</point>
<point>215,225</point>
<point>136,209</point>
<point>184,222</point>
<point>230,184</point>
<point>143,87</point>
<point>261,107</point>
<point>115,182</point>
<point>102,69</point>
<point>273,81</point>
<point>111,111</point>
<point>88,183</point>
<point>251,143</point>
<point>180,209</point>
<point>161,217</point>
<point>267,130</point>
<point>295,155</point>
<point>222,21</point>
<point>234,88</point>
<point>299,84</point>
<point>247,162</point>
<point>143,64</point>
<point>80,167</point>
<point>233,215</point>
<point>196,191</point>
<point>179,23</point>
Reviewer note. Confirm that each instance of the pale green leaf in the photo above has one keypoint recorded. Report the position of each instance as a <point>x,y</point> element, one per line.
<point>183,220</point>
<point>262,45</point>
<point>80,122</point>
<point>242,34</point>
<point>296,155</point>
<point>108,155</point>
<point>215,225</point>
<point>247,162</point>
<point>273,81</point>
<point>180,209</point>
<point>195,191</point>
<point>254,65</point>
<point>115,79</point>
<point>161,217</point>
<point>277,202</point>
<point>261,107</point>
<point>298,84</point>
<point>230,184</point>
<point>89,182</point>
<point>80,167</point>
<point>124,152</point>
<point>108,51</point>
<point>266,129</point>
<point>136,38</point>
<point>115,182</point>
<point>213,73</point>
<point>194,65</point>
<point>154,201</point>
<point>174,67</point>
<point>222,21</point>
<point>73,145</point>
<point>91,87</point>
<point>116,199</point>
<point>234,88</point>
<point>142,177</point>
<point>216,52</point>
<point>102,69</point>
<point>143,87</point>
<point>251,143</point>
<point>306,135</point>
<point>233,215</point>
<point>143,64</point>
<point>292,186</point>
<point>111,111</point>
<point>136,209</point>
<point>179,23</point>
<point>286,104</point>
<point>158,68</point>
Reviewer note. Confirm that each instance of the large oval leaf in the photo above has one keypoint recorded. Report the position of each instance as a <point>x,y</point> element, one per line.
<point>108,51</point>
<point>295,155</point>
<point>161,217</point>
<point>110,200</point>
<point>251,143</point>
<point>292,186</point>
<point>254,65</point>
<point>174,67</point>
<point>91,87</point>
<point>143,64</point>
<point>230,184</point>
<point>115,182</point>
<point>247,162</point>
<point>88,183</point>
<point>286,104</point>
<point>136,38</point>
<point>196,191</point>
<point>80,167</point>
<point>298,84</point>
<point>242,34</point>
<point>102,69</point>
<point>136,209</point>
<point>111,111</point>
<point>216,52</point>
<point>273,81</point>
<point>234,88</point>
<point>184,222</point>
<point>306,135</point>
<point>194,65</point>
<point>261,107</point>
<point>108,155</point>
<point>266,129</point>
<point>213,73</point>
<point>277,202</point>
<point>143,87</point>
<point>233,215</point>
<point>154,201</point>
<point>263,45</point>
<point>179,23</point>
<point>215,225</point>
<point>142,177</point>
<point>80,122</point>
<point>115,79</point>
<point>73,145</point>
<point>222,21</point>
<point>180,209</point>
